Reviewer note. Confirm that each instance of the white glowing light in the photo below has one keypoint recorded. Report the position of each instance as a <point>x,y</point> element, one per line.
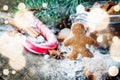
<point>80,9</point>
<point>6,22</point>
<point>100,38</point>
<point>96,5</point>
<point>21,6</point>
<point>5,7</point>
<point>13,72</point>
<point>97,19</point>
<point>115,55</point>
<point>24,18</point>
<point>113,71</point>
<point>17,63</point>
<point>115,49</point>
<point>44,5</point>
<point>5,71</point>
<point>116,8</point>
<point>10,44</point>
<point>115,39</point>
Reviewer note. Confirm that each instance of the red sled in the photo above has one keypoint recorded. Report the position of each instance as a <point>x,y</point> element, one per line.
<point>42,48</point>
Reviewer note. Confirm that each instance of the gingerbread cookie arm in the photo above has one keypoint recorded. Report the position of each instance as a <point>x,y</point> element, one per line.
<point>68,41</point>
<point>90,41</point>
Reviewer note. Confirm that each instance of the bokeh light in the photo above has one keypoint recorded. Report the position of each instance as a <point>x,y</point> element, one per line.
<point>97,19</point>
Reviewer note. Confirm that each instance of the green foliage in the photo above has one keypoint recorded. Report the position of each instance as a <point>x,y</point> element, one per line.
<point>56,9</point>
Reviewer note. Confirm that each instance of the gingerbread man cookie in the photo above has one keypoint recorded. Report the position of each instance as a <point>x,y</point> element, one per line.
<point>78,41</point>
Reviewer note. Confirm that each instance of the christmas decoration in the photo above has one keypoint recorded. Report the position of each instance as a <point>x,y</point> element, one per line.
<point>51,11</point>
<point>24,20</point>
<point>42,48</point>
<point>113,71</point>
<point>115,9</point>
<point>64,33</point>
<point>29,30</point>
<point>5,7</point>
<point>94,26</point>
<point>97,19</point>
<point>5,71</point>
<point>108,5</point>
<point>44,5</point>
<point>104,38</point>
<point>80,9</point>
<point>115,48</point>
<point>56,54</point>
<point>78,41</point>
<point>13,72</point>
<point>11,45</point>
<point>21,6</point>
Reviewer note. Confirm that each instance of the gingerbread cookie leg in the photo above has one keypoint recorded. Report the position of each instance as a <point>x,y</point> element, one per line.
<point>72,55</point>
<point>86,53</point>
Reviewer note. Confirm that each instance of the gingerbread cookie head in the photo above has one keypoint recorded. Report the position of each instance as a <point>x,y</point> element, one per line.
<point>77,28</point>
